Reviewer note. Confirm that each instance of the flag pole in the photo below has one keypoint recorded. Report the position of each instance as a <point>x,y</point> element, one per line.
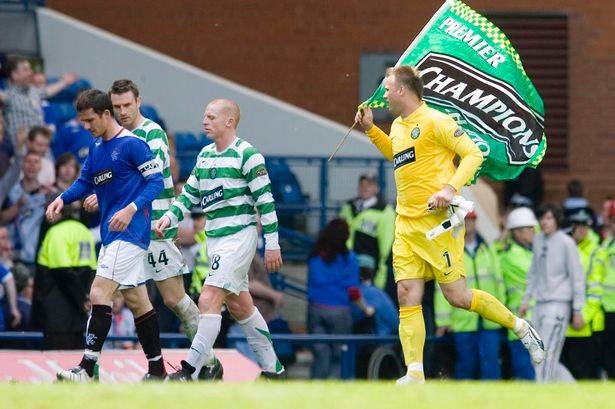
<point>341,142</point>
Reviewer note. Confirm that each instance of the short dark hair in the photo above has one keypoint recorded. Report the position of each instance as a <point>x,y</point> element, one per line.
<point>123,86</point>
<point>38,130</point>
<point>65,158</point>
<point>555,210</point>
<point>368,178</point>
<point>575,188</point>
<point>94,99</point>
<point>13,62</point>
<point>408,77</point>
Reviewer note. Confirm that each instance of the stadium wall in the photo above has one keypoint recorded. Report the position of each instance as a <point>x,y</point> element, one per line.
<point>307,53</point>
<point>180,91</point>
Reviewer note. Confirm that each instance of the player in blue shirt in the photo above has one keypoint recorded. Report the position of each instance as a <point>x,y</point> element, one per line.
<point>123,173</point>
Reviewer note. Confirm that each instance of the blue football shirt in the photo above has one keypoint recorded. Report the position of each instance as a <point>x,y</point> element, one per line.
<point>120,171</point>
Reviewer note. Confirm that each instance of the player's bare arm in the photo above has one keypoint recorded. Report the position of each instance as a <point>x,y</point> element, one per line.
<point>273,260</point>
<point>442,199</point>
<point>161,226</point>
<point>365,118</point>
<point>90,204</point>
<point>122,218</point>
<point>54,209</point>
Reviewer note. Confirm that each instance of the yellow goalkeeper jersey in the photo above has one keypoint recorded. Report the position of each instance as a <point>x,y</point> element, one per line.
<point>422,147</point>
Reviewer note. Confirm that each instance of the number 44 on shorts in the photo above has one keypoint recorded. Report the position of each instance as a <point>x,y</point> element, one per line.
<point>162,259</point>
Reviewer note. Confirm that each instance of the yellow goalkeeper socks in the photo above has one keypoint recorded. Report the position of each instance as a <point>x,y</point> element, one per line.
<point>412,338</point>
<point>489,307</point>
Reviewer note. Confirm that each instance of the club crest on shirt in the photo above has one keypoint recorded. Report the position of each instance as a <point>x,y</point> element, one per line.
<point>213,173</point>
<point>458,132</point>
<point>115,154</point>
<point>416,132</point>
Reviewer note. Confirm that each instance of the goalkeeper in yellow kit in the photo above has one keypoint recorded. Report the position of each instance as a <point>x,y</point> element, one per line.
<point>422,145</point>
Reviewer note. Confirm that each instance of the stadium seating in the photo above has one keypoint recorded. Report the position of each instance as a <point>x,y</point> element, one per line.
<point>68,94</point>
<point>150,112</point>
<point>188,146</point>
<point>58,113</point>
<point>286,189</point>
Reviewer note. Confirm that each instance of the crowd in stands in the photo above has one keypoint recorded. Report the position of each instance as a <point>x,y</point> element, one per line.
<point>46,270</point>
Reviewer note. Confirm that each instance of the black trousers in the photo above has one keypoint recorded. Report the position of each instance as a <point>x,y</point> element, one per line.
<point>608,355</point>
<point>581,357</point>
<point>63,340</point>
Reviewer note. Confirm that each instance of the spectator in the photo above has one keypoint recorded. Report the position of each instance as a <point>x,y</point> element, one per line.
<point>477,342</point>
<point>66,171</point>
<point>24,284</point>
<point>372,225</point>
<point>515,258</point>
<point>608,298</point>
<point>6,249</point>
<point>72,137</point>
<point>8,290</point>
<point>575,202</point>
<point>122,324</point>
<point>370,303</point>
<point>581,352</point>
<point>6,149</point>
<point>24,209</point>
<point>12,166</point>
<point>64,273</point>
<point>556,281</point>
<point>38,142</point>
<point>23,98</point>
<point>332,270</point>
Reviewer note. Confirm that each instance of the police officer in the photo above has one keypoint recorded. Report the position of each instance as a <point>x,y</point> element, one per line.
<point>477,341</point>
<point>608,298</point>
<point>515,257</point>
<point>582,346</point>
<point>372,225</point>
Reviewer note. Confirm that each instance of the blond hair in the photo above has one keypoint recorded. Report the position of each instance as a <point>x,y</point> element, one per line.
<point>408,77</point>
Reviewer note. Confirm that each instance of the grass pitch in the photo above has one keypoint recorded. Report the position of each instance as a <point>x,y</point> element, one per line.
<point>301,394</point>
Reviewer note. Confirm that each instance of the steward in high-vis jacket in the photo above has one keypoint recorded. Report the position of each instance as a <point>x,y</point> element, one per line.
<point>65,268</point>
<point>372,226</point>
<point>608,297</point>
<point>581,353</point>
<point>515,257</point>
<point>477,341</point>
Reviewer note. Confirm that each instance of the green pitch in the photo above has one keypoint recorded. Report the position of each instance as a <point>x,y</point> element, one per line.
<point>318,395</point>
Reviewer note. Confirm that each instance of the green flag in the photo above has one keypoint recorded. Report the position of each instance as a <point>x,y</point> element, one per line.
<point>472,72</point>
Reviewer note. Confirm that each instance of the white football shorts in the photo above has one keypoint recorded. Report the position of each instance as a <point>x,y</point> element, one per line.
<point>122,262</point>
<point>164,260</point>
<point>230,258</point>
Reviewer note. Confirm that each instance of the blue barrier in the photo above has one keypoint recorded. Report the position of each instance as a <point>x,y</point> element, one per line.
<point>349,343</point>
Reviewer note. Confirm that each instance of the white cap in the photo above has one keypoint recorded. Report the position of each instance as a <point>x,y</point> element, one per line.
<point>521,217</point>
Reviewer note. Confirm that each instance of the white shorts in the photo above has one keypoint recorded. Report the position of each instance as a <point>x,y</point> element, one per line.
<point>163,260</point>
<point>122,262</point>
<point>230,258</point>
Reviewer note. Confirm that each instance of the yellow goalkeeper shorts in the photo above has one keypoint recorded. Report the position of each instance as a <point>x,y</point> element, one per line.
<point>414,256</point>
